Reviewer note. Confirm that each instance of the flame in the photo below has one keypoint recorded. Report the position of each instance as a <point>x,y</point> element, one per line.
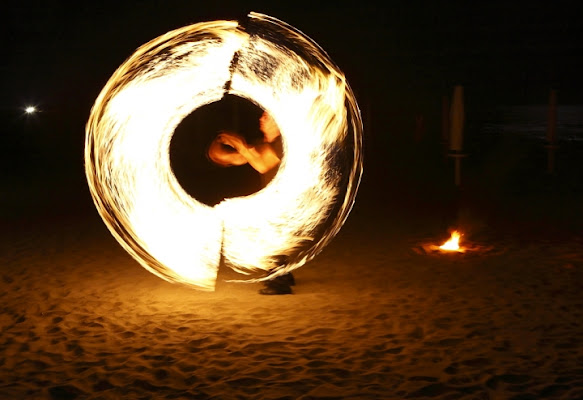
<point>453,243</point>
<point>131,124</point>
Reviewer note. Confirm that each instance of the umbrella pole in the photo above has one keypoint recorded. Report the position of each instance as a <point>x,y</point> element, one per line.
<point>457,167</point>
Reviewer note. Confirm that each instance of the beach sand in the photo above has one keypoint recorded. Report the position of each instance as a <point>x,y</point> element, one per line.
<point>372,317</point>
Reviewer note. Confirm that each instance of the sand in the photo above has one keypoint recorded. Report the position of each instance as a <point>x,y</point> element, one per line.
<point>374,316</point>
<point>370,318</point>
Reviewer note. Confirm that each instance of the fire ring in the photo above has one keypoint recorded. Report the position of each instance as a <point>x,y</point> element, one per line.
<point>128,135</point>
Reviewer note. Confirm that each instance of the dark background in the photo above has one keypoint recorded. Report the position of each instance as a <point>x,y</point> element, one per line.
<point>400,58</point>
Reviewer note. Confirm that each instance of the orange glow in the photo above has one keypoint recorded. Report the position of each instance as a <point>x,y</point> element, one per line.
<point>453,244</point>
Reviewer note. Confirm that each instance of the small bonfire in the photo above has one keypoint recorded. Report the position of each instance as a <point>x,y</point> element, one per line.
<point>452,246</point>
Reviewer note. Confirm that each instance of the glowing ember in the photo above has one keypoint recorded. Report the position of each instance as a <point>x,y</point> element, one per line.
<point>453,244</point>
<point>131,125</point>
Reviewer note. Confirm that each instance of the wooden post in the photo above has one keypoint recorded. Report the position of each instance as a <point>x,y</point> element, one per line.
<point>445,124</point>
<point>552,132</point>
<point>456,131</point>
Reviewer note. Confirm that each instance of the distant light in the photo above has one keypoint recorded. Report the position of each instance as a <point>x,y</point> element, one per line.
<point>30,110</point>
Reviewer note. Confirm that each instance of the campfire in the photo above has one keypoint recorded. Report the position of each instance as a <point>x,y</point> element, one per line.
<point>453,245</point>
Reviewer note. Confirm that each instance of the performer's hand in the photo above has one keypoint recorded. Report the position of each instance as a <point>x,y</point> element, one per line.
<point>232,139</point>
<point>226,148</point>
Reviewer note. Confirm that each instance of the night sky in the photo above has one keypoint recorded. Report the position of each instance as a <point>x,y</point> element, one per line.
<point>400,58</point>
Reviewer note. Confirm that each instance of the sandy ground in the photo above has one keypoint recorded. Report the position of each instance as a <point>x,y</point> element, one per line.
<point>370,318</point>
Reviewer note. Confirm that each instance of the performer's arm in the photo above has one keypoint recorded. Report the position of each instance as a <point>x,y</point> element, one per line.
<point>261,157</point>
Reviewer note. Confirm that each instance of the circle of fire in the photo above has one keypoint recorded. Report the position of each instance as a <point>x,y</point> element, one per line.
<point>128,135</point>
